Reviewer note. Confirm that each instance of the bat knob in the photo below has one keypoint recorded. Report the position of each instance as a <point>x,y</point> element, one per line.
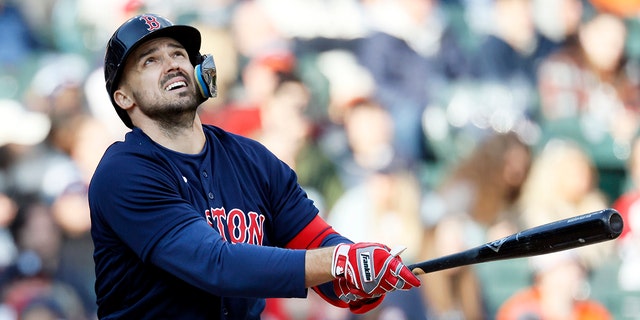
<point>615,223</point>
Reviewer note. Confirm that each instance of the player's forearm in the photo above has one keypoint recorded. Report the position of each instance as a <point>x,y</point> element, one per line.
<point>318,266</point>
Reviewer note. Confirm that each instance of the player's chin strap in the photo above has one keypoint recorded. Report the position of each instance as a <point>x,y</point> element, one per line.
<point>206,76</point>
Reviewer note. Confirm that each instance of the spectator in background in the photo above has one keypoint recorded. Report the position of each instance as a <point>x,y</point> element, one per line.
<point>588,93</point>
<point>20,131</point>
<point>27,158</point>
<point>44,167</point>
<point>19,41</point>
<point>474,204</point>
<point>255,31</point>
<point>286,130</point>
<point>589,75</point>
<point>487,183</point>
<point>413,55</point>
<point>260,53</point>
<point>368,133</point>
<point>259,79</point>
<point>506,63</point>
<point>37,274</point>
<point>53,154</point>
<point>42,309</point>
<point>505,67</point>
<point>8,212</point>
<point>86,138</point>
<point>388,201</point>
<point>559,20</point>
<point>628,204</point>
<point>56,88</point>
<point>515,47</point>
<point>562,184</point>
<point>556,292</point>
<point>218,40</point>
<point>501,94</point>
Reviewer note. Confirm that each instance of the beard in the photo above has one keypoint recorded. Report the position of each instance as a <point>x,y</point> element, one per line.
<point>174,112</point>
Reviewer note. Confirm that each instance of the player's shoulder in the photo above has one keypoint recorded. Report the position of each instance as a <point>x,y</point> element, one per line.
<point>223,135</point>
<point>231,140</point>
<point>125,158</point>
<point>134,144</point>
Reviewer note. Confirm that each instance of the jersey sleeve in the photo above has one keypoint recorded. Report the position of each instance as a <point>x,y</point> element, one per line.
<point>289,205</point>
<point>142,208</point>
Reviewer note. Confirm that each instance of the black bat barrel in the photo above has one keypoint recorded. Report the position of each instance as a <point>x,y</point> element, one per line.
<point>556,236</point>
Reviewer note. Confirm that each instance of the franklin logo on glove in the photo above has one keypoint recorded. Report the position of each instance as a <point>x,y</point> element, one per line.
<point>365,262</point>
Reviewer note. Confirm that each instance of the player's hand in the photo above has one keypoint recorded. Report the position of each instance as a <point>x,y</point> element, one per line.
<point>345,292</point>
<point>357,304</point>
<point>371,270</point>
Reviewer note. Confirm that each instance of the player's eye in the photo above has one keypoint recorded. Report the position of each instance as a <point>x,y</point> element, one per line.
<point>149,61</point>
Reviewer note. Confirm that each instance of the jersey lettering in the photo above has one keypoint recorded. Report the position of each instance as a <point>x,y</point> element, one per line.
<point>151,21</point>
<point>236,226</point>
<point>216,219</point>
<point>256,227</point>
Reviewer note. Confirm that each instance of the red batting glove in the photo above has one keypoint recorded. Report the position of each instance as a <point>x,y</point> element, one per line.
<point>371,270</point>
<point>357,304</point>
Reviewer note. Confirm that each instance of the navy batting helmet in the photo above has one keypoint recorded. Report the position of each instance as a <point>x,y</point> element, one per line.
<point>136,31</point>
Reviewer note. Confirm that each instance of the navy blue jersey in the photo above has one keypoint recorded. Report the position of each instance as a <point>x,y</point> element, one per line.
<point>181,236</point>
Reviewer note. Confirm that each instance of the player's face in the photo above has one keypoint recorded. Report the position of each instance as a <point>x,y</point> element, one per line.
<point>159,80</point>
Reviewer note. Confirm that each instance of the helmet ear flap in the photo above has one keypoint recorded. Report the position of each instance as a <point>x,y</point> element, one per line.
<point>206,76</point>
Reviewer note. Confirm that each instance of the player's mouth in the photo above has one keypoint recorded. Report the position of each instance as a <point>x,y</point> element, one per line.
<point>175,85</point>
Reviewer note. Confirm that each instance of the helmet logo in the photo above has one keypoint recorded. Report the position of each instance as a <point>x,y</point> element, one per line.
<point>151,21</point>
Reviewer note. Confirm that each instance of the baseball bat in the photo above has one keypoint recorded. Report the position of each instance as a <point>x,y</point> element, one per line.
<point>582,230</point>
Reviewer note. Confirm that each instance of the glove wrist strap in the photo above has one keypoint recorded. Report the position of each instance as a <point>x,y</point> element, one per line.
<point>339,260</point>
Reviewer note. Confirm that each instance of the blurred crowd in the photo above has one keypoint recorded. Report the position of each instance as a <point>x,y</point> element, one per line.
<point>434,124</point>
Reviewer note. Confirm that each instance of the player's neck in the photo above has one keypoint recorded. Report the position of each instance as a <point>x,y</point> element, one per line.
<point>185,139</point>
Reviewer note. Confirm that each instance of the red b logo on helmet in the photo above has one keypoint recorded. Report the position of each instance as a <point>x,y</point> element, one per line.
<point>151,21</point>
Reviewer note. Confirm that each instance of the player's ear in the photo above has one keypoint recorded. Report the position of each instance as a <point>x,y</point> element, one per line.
<point>123,99</point>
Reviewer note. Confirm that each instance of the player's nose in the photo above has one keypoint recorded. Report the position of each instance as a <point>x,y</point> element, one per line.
<point>171,63</point>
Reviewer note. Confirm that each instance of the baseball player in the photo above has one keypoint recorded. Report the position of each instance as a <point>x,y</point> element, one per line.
<point>192,222</point>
